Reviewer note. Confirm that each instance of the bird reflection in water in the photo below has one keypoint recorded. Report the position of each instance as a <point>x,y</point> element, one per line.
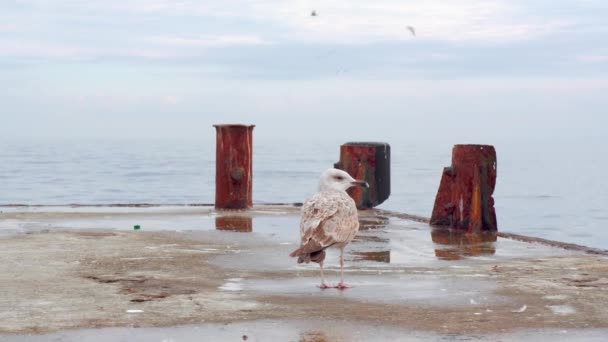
<point>454,245</point>
<point>242,224</point>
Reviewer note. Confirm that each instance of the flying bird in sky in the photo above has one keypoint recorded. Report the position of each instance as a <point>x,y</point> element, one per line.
<point>412,30</point>
<point>329,219</point>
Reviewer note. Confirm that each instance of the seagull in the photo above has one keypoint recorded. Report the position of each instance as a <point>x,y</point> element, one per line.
<point>329,219</point>
<point>412,30</point>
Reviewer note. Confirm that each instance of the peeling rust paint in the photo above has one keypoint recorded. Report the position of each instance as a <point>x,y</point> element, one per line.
<point>233,166</point>
<point>468,184</point>
<point>368,161</point>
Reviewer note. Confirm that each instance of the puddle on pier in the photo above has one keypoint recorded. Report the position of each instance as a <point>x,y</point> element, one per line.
<point>449,245</point>
<point>455,245</point>
<point>382,240</point>
<point>298,331</point>
<point>391,288</point>
<point>369,221</point>
<point>401,243</point>
<point>377,256</point>
<point>255,331</point>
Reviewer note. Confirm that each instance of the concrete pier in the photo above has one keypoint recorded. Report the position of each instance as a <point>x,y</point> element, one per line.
<point>84,267</point>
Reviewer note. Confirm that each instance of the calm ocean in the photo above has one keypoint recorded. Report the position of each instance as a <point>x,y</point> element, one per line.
<point>551,189</point>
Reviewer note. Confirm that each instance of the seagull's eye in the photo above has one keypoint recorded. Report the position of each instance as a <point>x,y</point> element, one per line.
<point>339,177</point>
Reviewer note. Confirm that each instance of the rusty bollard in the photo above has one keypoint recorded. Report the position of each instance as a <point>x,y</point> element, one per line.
<point>464,199</point>
<point>233,166</point>
<point>369,161</point>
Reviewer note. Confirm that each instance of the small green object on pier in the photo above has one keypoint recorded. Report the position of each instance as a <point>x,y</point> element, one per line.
<point>136,227</point>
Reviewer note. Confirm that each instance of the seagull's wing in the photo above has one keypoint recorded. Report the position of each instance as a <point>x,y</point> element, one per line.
<point>327,219</point>
<point>315,212</point>
<point>343,228</point>
<point>412,30</point>
<point>316,227</point>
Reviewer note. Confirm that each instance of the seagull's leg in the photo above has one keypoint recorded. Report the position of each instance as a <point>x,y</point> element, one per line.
<point>342,285</point>
<point>323,283</point>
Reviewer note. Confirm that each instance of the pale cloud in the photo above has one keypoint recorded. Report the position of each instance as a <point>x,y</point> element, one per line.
<point>43,49</point>
<point>8,27</point>
<point>348,21</point>
<point>593,58</point>
<point>112,98</point>
<point>187,64</point>
<point>147,48</point>
<point>208,41</point>
<point>462,108</point>
<point>364,21</point>
<point>170,99</point>
<point>32,48</point>
<point>401,91</point>
<point>134,7</point>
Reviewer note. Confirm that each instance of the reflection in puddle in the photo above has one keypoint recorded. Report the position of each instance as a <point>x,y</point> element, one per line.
<point>377,256</point>
<point>372,222</point>
<point>454,245</point>
<point>396,288</point>
<point>369,227</point>
<point>234,223</point>
<point>370,238</point>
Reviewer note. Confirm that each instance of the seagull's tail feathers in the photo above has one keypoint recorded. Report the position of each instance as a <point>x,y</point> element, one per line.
<point>311,251</point>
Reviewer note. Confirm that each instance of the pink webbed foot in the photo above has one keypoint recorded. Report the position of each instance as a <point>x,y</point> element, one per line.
<point>340,286</point>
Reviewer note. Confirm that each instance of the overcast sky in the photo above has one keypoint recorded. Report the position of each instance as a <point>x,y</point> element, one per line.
<point>476,69</point>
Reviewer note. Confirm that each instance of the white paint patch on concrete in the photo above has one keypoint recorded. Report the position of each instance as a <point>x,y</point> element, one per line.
<point>562,310</point>
<point>232,284</point>
<point>556,297</point>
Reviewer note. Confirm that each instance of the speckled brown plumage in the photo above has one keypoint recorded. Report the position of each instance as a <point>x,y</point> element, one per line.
<point>329,219</point>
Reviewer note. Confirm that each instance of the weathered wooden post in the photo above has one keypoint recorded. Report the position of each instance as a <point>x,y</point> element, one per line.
<point>369,161</point>
<point>233,166</point>
<point>464,199</point>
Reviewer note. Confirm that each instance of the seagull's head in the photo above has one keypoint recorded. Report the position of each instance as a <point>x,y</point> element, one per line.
<point>334,179</point>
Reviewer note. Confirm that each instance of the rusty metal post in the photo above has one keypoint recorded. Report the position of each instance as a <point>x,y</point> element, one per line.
<point>369,161</point>
<point>233,166</point>
<point>464,200</point>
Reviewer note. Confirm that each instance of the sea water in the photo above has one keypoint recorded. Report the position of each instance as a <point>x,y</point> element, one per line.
<point>555,189</point>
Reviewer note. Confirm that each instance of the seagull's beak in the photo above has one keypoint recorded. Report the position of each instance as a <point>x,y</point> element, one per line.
<point>362,184</point>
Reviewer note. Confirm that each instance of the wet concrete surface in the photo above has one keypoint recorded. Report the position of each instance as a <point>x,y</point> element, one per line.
<point>298,331</point>
<point>224,275</point>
